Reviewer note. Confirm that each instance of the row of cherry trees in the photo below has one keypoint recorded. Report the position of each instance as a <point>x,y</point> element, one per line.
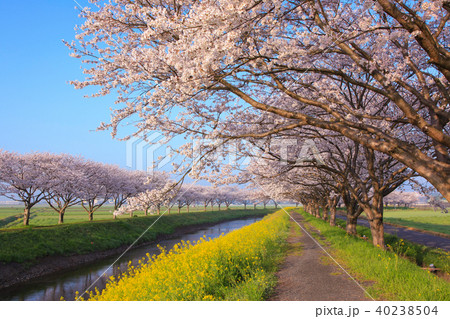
<point>188,195</point>
<point>405,199</point>
<point>320,196</point>
<point>341,171</point>
<point>63,181</point>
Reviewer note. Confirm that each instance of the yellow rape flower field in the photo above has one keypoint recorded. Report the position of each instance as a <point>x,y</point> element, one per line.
<point>238,266</point>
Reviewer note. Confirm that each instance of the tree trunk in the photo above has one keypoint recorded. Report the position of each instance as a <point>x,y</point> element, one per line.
<point>179,210</point>
<point>168,211</point>
<point>254,206</point>
<point>374,213</point>
<point>219,207</point>
<point>377,231</point>
<point>188,208</point>
<point>351,224</point>
<point>317,211</point>
<point>158,209</point>
<point>245,206</point>
<point>333,215</point>
<point>26,216</point>
<point>353,212</point>
<point>146,212</point>
<point>61,217</point>
<point>325,213</point>
<point>131,213</point>
<point>264,205</point>
<point>91,216</point>
<point>205,208</point>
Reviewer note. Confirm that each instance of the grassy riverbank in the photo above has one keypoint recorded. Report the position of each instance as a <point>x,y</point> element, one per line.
<point>27,244</point>
<point>12,217</point>
<point>237,266</point>
<point>393,274</point>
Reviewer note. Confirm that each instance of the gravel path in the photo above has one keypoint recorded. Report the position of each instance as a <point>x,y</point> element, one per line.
<point>308,273</point>
<point>411,235</point>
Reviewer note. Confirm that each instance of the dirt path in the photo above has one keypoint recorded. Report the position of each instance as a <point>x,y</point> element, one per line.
<point>411,235</point>
<point>308,273</point>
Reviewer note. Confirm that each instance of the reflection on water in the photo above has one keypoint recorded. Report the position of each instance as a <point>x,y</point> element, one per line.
<point>53,287</point>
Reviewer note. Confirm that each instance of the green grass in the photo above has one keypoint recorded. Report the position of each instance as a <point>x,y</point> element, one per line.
<point>11,217</point>
<point>420,219</point>
<point>389,275</point>
<point>29,243</point>
<point>421,255</point>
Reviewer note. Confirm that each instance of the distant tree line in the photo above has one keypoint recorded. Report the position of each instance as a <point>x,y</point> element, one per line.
<point>63,181</point>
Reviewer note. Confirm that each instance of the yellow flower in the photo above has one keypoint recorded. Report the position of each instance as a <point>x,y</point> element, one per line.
<point>197,271</point>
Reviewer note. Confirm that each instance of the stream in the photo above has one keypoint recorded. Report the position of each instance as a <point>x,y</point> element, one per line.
<point>53,287</point>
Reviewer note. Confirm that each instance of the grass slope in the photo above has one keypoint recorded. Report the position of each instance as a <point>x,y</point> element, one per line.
<point>11,217</point>
<point>27,244</point>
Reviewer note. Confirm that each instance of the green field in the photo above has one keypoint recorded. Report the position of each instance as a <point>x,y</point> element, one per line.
<point>419,218</point>
<point>11,217</point>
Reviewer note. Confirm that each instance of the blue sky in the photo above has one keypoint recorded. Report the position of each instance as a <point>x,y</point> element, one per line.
<point>39,110</point>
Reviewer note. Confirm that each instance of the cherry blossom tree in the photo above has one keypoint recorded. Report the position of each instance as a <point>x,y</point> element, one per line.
<point>205,196</point>
<point>221,197</point>
<point>128,209</point>
<point>261,196</point>
<point>229,195</point>
<point>377,176</point>
<point>245,69</point>
<point>438,202</point>
<point>109,182</point>
<point>357,174</point>
<point>244,197</point>
<point>97,187</point>
<point>403,198</point>
<point>124,184</point>
<point>63,187</point>
<point>435,200</point>
<point>185,196</point>
<point>151,199</point>
<point>23,179</point>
